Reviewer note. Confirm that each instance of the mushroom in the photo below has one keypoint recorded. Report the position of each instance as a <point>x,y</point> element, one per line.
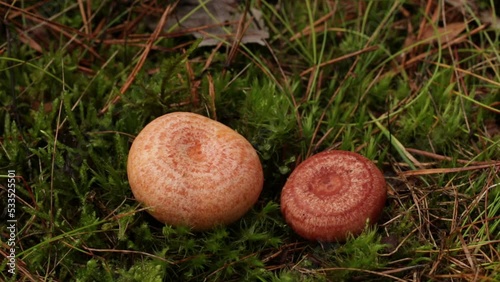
<point>190,170</point>
<point>333,194</point>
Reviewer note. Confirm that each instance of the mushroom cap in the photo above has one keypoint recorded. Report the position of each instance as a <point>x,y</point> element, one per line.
<point>191,170</point>
<point>332,194</point>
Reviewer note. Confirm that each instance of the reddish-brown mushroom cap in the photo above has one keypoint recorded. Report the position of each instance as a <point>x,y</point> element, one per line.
<point>191,170</point>
<point>333,194</point>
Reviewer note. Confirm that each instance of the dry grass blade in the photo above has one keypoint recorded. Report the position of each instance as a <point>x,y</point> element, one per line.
<point>126,252</point>
<point>211,92</point>
<point>341,58</point>
<point>467,72</point>
<point>36,18</point>
<point>317,28</point>
<point>243,25</point>
<point>68,32</point>
<point>444,158</point>
<point>86,24</point>
<point>26,275</point>
<point>144,55</point>
<point>446,170</point>
<point>417,58</point>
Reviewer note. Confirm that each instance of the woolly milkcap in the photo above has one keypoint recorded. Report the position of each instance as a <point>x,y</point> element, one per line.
<point>333,194</point>
<point>191,170</point>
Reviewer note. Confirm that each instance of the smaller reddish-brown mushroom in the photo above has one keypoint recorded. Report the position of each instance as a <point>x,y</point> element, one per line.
<point>333,194</point>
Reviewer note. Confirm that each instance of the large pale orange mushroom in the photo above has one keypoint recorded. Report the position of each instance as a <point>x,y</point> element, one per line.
<point>194,171</point>
<point>333,194</point>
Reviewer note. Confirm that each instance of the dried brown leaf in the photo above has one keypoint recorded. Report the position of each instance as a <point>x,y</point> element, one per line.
<point>216,20</point>
<point>443,34</point>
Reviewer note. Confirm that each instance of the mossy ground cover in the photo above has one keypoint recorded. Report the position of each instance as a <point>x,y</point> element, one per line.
<point>412,85</point>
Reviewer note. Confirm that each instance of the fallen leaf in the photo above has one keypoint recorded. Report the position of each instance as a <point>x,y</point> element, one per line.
<point>217,20</point>
<point>443,34</point>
